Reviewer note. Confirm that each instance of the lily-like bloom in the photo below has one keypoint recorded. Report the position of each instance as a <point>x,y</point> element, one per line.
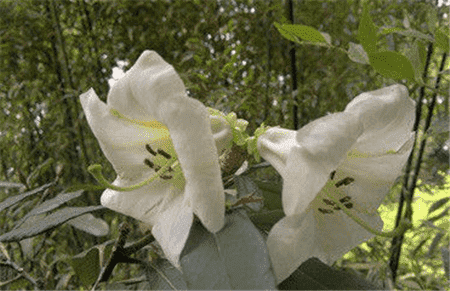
<point>351,158</point>
<point>148,122</point>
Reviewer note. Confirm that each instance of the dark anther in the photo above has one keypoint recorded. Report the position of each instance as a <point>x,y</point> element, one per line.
<point>349,205</point>
<point>345,199</point>
<point>150,150</point>
<point>164,177</point>
<point>337,208</point>
<point>346,181</point>
<point>325,211</point>
<point>149,163</point>
<point>157,168</point>
<point>332,175</point>
<point>328,202</point>
<point>164,154</point>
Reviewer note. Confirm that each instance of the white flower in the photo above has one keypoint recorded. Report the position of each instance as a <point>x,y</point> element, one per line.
<point>149,120</point>
<point>354,156</point>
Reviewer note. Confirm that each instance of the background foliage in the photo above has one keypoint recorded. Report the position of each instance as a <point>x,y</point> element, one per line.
<point>231,57</point>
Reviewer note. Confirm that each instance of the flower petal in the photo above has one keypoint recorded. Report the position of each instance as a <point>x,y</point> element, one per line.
<point>122,142</point>
<point>374,175</point>
<point>275,145</point>
<point>387,115</point>
<point>152,90</point>
<point>322,146</point>
<point>296,238</point>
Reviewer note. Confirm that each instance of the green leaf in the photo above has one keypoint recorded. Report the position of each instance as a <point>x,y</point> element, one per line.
<point>357,53</point>
<point>49,205</point>
<point>16,199</point>
<point>442,39</point>
<point>407,32</point>
<point>438,204</point>
<point>367,31</point>
<point>161,275</point>
<point>46,223</point>
<point>392,65</point>
<point>271,193</point>
<point>5,184</point>
<point>245,186</point>
<point>315,275</point>
<point>87,265</point>
<point>417,62</point>
<point>234,258</point>
<point>294,32</point>
<point>90,224</point>
<point>265,220</point>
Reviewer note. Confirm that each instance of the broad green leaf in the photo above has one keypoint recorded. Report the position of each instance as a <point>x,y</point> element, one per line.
<point>16,199</point>
<point>357,53</point>
<point>438,204</point>
<point>87,265</point>
<point>46,223</point>
<point>271,193</point>
<point>49,205</point>
<point>407,32</point>
<point>367,31</point>
<point>442,39</point>
<point>161,275</point>
<point>392,65</point>
<point>265,220</point>
<point>315,275</point>
<point>90,224</point>
<point>234,258</point>
<point>245,186</point>
<point>415,58</point>
<point>294,32</point>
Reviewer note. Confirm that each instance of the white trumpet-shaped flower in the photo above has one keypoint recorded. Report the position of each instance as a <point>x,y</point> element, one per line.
<point>343,160</point>
<point>151,128</point>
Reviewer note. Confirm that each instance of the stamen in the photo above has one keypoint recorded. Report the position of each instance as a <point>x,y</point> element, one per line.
<point>150,150</point>
<point>349,205</point>
<point>346,181</point>
<point>345,199</point>
<point>325,211</point>
<point>337,208</point>
<point>157,168</point>
<point>149,163</point>
<point>165,177</point>
<point>164,154</point>
<point>332,175</point>
<point>404,225</point>
<point>96,171</point>
<point>328,202</point>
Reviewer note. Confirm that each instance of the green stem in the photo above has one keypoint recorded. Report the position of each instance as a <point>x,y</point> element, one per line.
<point>403,226</point>
<point>96,171</point>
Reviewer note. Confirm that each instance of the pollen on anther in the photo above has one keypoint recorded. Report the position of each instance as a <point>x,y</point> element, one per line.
<point>150,150</point>
<point>149,163</point>
<point>349,205</point>
<point>332,175</point>
<point>345,199</point>
<point>164,154</point>
<point>164,177</point>
<point>346,181</point>
<point>328,202</point>
<point>325,211</point>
